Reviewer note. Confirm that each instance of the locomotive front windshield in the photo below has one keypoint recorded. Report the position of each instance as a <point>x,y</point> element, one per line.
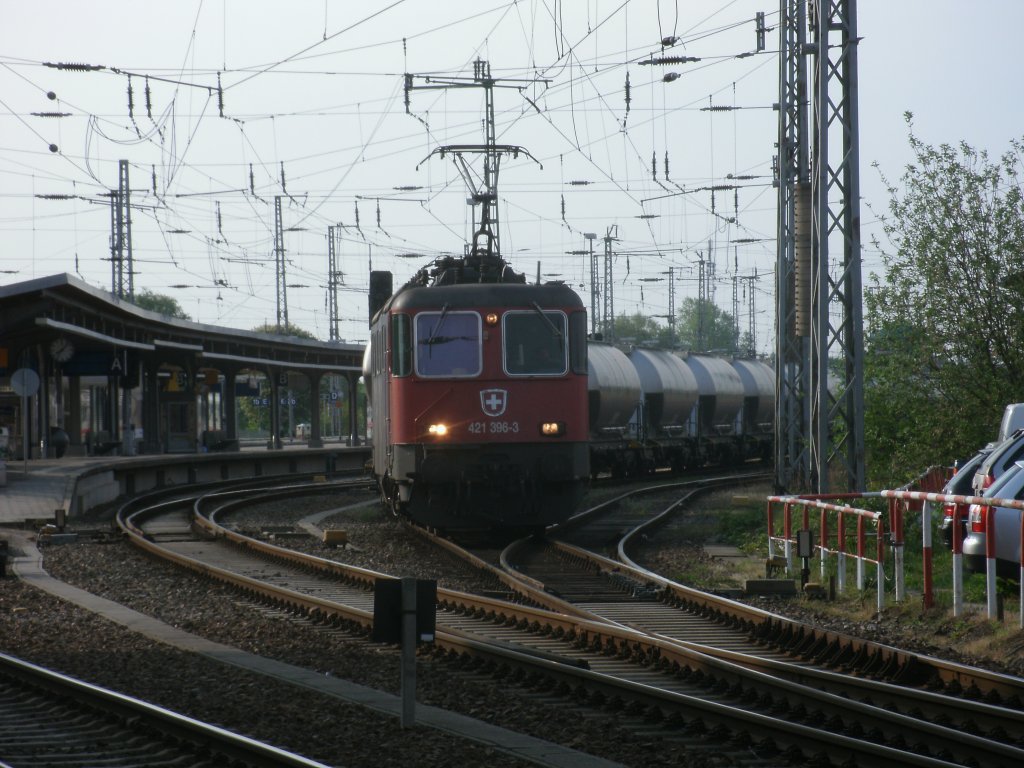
<point>448,344</point>
<point>535,343</point>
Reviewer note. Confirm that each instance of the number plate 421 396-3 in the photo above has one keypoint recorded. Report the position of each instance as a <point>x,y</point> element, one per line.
<point>493,427</point>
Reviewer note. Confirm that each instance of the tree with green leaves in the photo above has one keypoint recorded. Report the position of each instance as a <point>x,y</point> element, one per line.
<point>287,330</point>
<point>158,302</point>
<point>641,329</point>
<point>253,418</point>
<point>944,349</point>
<point>703,327</point>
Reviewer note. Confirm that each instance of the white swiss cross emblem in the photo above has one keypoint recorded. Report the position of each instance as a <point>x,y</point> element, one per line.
<point>493,401</point>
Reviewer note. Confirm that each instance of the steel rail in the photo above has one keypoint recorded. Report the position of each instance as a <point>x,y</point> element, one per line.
<point>135,714</point>
<point>613,639</point>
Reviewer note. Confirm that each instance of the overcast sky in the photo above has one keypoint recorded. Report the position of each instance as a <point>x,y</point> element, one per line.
<point>314,113</point>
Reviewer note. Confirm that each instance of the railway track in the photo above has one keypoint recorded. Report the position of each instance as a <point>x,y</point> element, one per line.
<point>49,719</point>
<point>768,705</point>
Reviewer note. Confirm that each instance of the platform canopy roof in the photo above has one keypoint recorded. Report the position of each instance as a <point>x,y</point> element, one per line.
<point>72,321</point>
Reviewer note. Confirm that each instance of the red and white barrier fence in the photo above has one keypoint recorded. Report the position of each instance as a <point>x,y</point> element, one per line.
<point>960,505</point>
<point>900,501</point>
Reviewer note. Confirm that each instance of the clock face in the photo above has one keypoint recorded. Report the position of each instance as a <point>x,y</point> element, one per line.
<point>62,350</point>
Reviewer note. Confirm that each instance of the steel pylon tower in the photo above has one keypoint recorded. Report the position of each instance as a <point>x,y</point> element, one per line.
<point>819,418</point>
<point>334,278</point>
<point>596,324</point>
<point>608,310</point>
<point>122,269</point>
<point>281,282</point>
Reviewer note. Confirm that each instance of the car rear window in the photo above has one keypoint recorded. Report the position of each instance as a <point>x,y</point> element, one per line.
<point>1003,455</point>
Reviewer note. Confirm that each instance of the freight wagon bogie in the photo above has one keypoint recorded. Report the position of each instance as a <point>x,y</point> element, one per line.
<point>522,487</point>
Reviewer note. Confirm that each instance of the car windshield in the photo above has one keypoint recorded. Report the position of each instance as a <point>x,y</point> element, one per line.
<point>448,344</point>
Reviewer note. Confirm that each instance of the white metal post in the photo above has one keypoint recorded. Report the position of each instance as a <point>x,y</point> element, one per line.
<point>958,582</point>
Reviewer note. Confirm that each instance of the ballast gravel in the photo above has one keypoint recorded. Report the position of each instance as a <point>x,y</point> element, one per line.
<point>47,631</point>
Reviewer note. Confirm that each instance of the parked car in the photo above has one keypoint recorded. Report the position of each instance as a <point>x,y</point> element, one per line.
<point>1010,485</point>
<point>960,484</point>
<point>1013,419</point>
<point>1002,457</point>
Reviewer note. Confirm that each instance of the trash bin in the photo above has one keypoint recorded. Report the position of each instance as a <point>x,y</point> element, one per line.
<point>59,441</point>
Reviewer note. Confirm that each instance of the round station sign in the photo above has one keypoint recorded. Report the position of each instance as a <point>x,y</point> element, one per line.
<point>25,382</point>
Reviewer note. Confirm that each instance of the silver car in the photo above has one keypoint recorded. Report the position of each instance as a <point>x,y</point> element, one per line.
<point>1002,458</point>
<point>1009,485</point>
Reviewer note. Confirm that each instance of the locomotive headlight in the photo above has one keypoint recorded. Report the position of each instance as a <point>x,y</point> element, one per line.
<point>552,428</point>
<point>491,318</point>
<point>438,430</point>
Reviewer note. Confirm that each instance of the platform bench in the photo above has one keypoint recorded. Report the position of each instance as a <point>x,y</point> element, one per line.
<point>102,444</point>
<point>217,440</point>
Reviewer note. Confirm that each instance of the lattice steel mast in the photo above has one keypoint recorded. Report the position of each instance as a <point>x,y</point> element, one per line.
<point>122,269</point>
<point>819,423</point>
<point>334,280</point>
<point>281,283</point>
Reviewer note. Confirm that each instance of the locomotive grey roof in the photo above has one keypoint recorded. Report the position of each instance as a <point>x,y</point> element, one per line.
<point>485,295</point>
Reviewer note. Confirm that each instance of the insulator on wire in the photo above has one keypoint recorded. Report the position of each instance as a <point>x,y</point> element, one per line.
<point>74,66</point>
<point>149,102</point>
<point>131,99</point>
<point>252,182</point>
<point>654,165</point>
<point>153,169</point>
<point>629,96</point>
<point>563,207</point>
<point>220,96</point>
<point>666,165</point>
<point>284,187</point>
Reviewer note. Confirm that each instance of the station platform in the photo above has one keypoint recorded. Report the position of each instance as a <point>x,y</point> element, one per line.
<point>37,488</point>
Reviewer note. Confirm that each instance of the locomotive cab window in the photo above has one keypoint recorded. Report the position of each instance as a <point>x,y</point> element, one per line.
<point>448,343</point>
<point>536,343</point>
<point>401,345</point>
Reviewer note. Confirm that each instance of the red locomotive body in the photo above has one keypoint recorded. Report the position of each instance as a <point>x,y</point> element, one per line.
<point>479,396</point>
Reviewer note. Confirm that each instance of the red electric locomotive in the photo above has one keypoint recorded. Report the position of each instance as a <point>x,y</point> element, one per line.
<point>478,384</point>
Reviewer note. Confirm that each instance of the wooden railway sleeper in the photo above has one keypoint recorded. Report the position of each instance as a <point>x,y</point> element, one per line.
<point>654,714</point>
